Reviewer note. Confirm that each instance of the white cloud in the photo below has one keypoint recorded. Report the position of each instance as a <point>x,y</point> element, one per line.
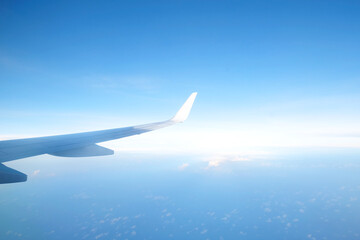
<point>216,160</point>
<point>81,196</point>
<point>156,198</point>
<point>267,210</point>
<point>36,172</point>
<point>101,235</point>
<point>183,166</point>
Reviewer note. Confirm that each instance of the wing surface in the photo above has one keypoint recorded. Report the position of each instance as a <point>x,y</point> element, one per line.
<point>9,175</point>
<point>83,144</point>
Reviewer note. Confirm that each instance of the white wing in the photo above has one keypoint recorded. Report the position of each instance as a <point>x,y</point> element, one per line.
<point>81,144</point>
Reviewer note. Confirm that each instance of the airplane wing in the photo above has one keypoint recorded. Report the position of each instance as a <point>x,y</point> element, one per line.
<point>78,144</point>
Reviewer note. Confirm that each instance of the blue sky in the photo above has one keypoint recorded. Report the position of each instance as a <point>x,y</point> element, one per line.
<point>268,73</point>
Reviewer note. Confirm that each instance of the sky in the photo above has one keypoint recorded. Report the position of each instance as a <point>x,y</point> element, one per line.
<point>269,74</point>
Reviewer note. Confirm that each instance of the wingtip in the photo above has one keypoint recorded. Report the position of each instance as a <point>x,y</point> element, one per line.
<point>184,111</point>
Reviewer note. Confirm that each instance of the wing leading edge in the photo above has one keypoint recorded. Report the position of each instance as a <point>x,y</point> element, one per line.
<point>83,144</point>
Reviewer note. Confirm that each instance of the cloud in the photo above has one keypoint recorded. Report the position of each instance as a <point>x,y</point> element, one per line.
<point>183,166</point>
<point>267,210</point>
<point>101,235</point>
<point>216,160</point>
<point>36,172</point>
<point>81,196</point>
<point>156,198</point>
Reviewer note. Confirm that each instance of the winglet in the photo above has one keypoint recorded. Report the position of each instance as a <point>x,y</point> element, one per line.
<point>184,111</point>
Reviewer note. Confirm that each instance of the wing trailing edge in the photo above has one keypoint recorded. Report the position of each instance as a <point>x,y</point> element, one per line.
<point>93,150</point>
